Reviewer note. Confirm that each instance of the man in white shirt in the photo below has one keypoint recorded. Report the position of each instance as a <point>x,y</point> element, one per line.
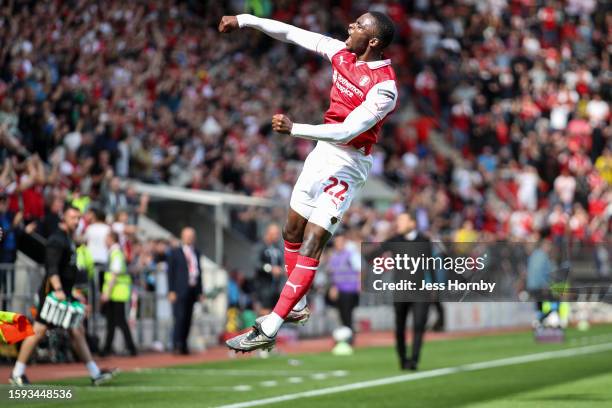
<point>598,110</point>
<point>565,187</point>
<point>95,237</point>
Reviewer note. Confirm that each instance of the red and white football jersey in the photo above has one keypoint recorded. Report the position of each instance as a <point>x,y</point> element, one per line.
<point>354,83</point>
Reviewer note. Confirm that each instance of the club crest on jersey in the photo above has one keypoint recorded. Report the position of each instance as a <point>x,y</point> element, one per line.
<point>364,80</point>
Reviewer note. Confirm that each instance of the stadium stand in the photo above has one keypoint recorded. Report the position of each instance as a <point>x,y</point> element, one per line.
<point>515,94</point>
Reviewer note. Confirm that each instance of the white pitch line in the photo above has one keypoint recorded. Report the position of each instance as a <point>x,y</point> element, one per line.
<point>528,358</point>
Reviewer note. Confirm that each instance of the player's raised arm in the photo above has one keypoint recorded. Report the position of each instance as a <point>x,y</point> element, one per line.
<point>325,46</point>
<point>379,102</point>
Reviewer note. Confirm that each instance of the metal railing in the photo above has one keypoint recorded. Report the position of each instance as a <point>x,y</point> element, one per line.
<point>149,312</point>
<point>19,284</point>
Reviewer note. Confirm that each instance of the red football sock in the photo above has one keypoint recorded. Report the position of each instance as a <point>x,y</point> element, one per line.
<point>292,251</point>
<point>297,285</point>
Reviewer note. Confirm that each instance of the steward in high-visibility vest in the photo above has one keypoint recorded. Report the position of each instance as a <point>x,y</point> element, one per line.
<point>116,293</point>
<point>81,202</point>
<point>117,282</point>
<point>86,266</point>
<point>85,261</point>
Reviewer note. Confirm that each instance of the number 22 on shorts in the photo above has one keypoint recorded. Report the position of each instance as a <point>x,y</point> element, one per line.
<point>340,192</point>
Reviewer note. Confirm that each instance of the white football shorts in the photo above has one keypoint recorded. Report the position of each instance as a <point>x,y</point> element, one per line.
<point>331,177</point>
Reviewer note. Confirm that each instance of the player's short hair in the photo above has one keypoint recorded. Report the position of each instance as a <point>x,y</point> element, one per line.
<point>98,213</point>
<point>385,28</point>
<point>67,209</point>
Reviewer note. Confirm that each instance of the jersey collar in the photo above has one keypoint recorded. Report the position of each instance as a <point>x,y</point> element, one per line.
<point>376,64</point>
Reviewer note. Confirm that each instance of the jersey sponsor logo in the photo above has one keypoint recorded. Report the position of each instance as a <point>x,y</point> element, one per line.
<point>387,93</point>
<point>345,87</point>
<point>364,80</point>
<point>342,61</point>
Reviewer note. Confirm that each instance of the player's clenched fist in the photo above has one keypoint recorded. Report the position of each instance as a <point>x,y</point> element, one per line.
<point>281,124</point>
<point>228,24</point>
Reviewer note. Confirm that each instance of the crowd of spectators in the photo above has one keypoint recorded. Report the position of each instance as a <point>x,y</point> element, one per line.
<point>518,92</point>
<point>519,89</point>
<point>32,202</point>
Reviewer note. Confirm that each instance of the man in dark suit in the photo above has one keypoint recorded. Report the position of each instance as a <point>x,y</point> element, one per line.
<point>185,286</point>
<point>269,276</point>
<point>406,232</point>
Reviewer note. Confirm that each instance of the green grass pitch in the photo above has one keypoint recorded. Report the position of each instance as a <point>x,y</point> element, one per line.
<point>581,377</point>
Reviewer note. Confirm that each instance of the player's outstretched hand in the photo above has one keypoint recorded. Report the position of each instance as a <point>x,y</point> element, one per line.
<point>281,124</point>
<point>228,24</point>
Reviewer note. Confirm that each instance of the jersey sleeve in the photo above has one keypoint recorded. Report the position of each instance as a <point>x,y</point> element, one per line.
<point>357,122</point>
<point>328,47</point>
<point>379,102</point>
<point>322,45</point>
<point>381,99</point>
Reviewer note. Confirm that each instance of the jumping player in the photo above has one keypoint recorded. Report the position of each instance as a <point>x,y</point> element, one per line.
<point>363,93</point>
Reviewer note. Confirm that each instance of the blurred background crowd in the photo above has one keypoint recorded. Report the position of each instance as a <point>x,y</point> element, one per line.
<point>503,129</point>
